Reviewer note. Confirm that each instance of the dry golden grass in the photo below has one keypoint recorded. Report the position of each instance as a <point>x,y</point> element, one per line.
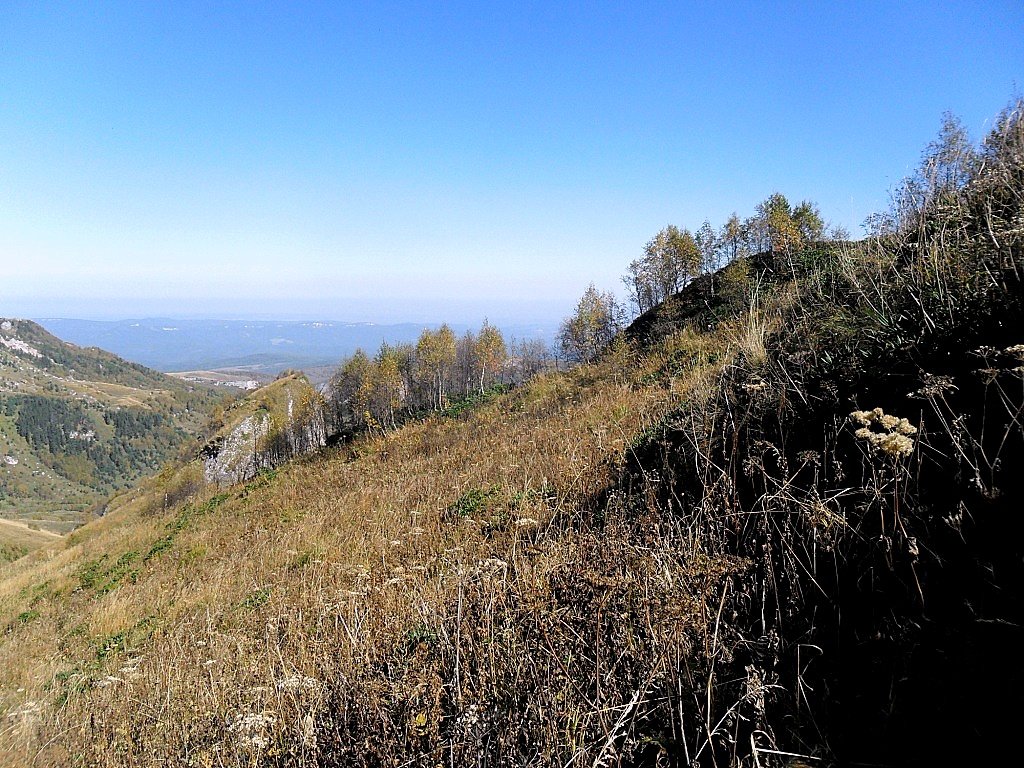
<point>491,590</point>
<point>279,601</point>
<point>116,394</point>
<point>16,535</point>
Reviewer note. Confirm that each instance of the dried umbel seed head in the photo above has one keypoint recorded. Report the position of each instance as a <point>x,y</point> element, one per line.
<point>1017,350</point>
<point>863,418</point>
<point>934,386</point>
<point>895,444</point>
<point>884,432</point>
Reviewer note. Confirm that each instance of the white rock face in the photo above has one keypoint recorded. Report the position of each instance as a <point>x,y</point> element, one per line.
<point>6,325</point>
<point>243,453</point>
<point>18,345</point>
<point>236,460</point>
<point>11,461</point>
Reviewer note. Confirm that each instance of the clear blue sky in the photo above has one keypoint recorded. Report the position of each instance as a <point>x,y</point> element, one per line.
<point>438,160</point>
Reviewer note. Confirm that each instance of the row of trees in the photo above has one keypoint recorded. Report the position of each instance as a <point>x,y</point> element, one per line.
<point>407,379</point>
<point>303,428</point>
<point>674,257</point>
<point>403,380</point>
<point>776,234</point>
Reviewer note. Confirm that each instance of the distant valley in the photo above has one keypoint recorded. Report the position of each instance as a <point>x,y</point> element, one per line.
<point>77,424</point>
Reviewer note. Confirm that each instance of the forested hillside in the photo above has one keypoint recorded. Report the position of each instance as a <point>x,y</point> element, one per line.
<point>773,521</point>
<point>77,424</point>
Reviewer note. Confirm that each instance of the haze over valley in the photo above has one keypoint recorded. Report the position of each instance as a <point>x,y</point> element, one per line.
<point>261,347</point>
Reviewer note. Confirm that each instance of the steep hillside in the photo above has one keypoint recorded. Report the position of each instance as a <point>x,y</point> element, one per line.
<point>18,538</point>
<point>281,589</point>
<point>775,523</point>
<point>77,424</point>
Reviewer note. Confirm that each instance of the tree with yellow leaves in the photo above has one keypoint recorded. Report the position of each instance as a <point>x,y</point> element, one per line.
<point>435,356</point>
<point>590,328</point>
<point>490,352</point>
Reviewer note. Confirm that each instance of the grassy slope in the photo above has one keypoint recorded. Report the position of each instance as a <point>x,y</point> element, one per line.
<point>18,539</point>
<point>87,363</point>
<point>333,562</point>
<point>271,399</point>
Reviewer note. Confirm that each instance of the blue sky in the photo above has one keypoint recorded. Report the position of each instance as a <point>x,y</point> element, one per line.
<point>429,161</point>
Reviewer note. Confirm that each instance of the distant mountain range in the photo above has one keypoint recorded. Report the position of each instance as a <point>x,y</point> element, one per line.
<point>261,346</point>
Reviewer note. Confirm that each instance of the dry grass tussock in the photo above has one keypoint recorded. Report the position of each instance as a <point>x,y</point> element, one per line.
<point>460,591</point>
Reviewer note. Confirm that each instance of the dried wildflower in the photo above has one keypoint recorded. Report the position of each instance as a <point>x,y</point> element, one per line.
<point>756,688</point>
<point>309,739</point>
<point>250,730</point>
<point>294,683</point>
<point>934,386</point>
<point>896,444</point>
<point>864,418</point>
<point>756,384</point>
<point>27,710</point>
<point>894,438</point>
<point>491,566</point>
<point>526,522</point>
<point>823,518</point>
<point>469,718</point>
<point>888,422</point>
<point>1017,350</point>
<point>809,457</point>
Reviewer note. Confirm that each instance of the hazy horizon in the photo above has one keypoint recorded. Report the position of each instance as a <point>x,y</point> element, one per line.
<point>267,345</point>
<point>339,310</point>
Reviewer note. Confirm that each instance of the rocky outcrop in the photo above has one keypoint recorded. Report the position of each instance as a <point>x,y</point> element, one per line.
<point>261,440</point>
<point>237,457</point>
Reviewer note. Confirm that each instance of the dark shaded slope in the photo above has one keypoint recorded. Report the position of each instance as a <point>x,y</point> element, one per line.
<point>885,589</point>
